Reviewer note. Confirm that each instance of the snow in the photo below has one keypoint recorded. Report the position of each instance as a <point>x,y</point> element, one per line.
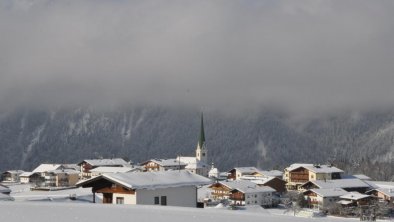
<point>49,206</point>
<point>46,167</point>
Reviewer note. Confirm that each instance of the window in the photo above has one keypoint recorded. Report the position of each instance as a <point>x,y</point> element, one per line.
<point>164,200</point>
<point>120,200</point>
<point>203,154</point>
<point>255,195</point>
<point>157,201</point>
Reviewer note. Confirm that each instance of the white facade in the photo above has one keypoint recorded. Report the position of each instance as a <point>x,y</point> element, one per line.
<point>174,196</point>
<point>24,180</point>
<point>185,196</point>
<point>258,198</point>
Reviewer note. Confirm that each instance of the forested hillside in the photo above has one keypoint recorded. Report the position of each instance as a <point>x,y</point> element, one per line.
<point>267,139</point>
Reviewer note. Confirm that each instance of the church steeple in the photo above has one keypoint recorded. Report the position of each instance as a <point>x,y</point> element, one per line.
<point>201,141</point>
<point>201,151</point>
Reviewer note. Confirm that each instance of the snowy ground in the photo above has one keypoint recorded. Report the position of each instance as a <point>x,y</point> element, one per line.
<point>49,206</point>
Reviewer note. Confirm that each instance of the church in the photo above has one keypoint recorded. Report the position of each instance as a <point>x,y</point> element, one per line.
<point>196,164</point>
<point>199,163</point>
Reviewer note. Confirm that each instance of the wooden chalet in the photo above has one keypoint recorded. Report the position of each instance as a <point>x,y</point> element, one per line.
<point>383,194</point>
<point>87,165</point>
<point>297,174</point>
<point>163,165</point>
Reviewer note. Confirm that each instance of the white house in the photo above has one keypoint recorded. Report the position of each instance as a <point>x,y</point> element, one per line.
<point>323,198</point>
<point>173,188</point>
<point>252,195</point>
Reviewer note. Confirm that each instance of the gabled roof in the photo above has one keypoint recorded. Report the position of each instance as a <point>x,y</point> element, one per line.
<point>340,183</point>
<point>112,169</point>
<point>151,180</point>
<point>271,173</point>
<point>27,174</point>
<point>47,167</point>
<point>386,191</point>
<point>105,162</point>
<point>261,180</point>
<point>166,162</point>
<point>316,168</point>
<point>330,192</point>
<point>237,184</point>
<point>354,196</point>
<point>254,189</point>
<point>245,169</point>
<point>14,171</point>
<point>362,177</point>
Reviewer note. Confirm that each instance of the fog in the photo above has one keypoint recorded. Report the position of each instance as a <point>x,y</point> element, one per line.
<point>302,56</point>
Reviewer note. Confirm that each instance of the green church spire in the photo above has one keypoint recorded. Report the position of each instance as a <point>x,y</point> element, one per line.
<point>201,140</point>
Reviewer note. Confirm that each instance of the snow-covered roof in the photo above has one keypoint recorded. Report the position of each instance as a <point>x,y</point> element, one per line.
<point>316,168</point>
<point>259,180</point>
<point>245,186</point>
<point>271,173</point>
<point>106,162</point>
<point>245,169</point>
<point>340,183</point>
<point>112,169</point>
<point>192,162</point>
<point>386,191</point>
<point>167,162</point>
<point>4,189</point>
<point>152,180</point>
<point>14,171</point>
<point>46,167</point>
<point>382,184</point>
<point>362,177</point>
<point>330,192</point>
<point>66,171</point>
<point>27,174</point>
<point>354,196</point>
<point>255,189</point>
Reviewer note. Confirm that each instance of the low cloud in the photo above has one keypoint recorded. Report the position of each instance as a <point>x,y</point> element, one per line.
<point>298,55</point>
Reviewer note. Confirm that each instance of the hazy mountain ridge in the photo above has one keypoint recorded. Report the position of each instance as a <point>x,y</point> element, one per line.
<point>265,139</point>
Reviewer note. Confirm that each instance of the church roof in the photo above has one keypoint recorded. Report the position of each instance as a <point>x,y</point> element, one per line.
<point>201,140</point>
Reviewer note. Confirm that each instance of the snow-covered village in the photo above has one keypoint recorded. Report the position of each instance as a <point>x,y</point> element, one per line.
<point>196,110</point>
<point>300,190</point>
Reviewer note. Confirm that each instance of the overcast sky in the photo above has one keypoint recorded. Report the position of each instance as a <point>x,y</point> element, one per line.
<point>300,55</point>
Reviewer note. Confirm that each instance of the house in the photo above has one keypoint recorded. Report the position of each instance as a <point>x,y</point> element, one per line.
<point>172,188</point>
<point>323,198</point>
<point>252,195</point>
<point>297,174</point>
<point>31,177</point>
<point>238,172</point>
<point>101,170</point>
<point>240,192</point>
<point>346,184</point>
<point>87,165</point>
<point>354,199</point>
<point>60,178</point>
<point>11,176</point>
<point>383,194</point>
<point>276,183</point>
<point>163,165</point>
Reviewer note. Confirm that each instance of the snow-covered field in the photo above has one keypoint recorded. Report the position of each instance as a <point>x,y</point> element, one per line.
<point>49,206</point>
